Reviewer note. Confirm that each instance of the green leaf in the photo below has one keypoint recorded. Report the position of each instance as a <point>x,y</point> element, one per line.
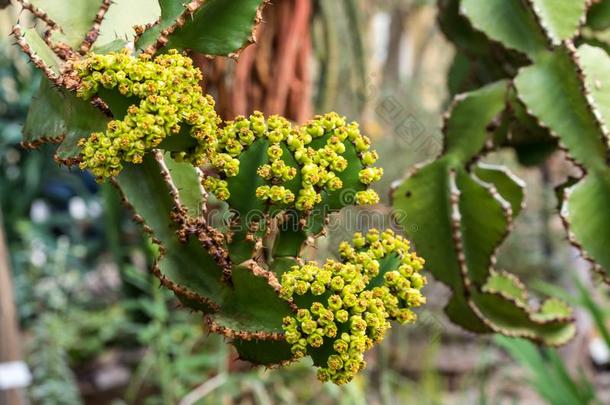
<point>42,50</point>
<point>186,179</point>
<point>243,186</point>
<point>551,90</point>
<point>466,128</point>
<point>423,205</point>
<point>519,321</point>
<point>586,213</point>
<point>509,22</point>
<point>75,20</point>
<point>55,112</point>
<point>560,19</point>
<point>598,17</point>
<point>188,264</point>
<point>456,27</point>
<point>507,284</point>
<point>251,305</point>
<point>595,63</point>
<point>510,187</point>
<point>262,351</point>
<point>219,27</point>
<point>484,223</point>
<point>122,16</point>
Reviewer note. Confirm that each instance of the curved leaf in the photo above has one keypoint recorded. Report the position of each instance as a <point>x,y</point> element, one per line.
<point>560,19</point>
<point>551,90</point>
<point>510,22</point>
<point>74,19</point>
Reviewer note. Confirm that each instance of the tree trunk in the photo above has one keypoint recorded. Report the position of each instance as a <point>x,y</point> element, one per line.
<point>10,350</point>
<point>273,75</point>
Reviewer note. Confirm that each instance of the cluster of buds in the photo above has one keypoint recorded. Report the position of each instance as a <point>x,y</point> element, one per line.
<point>170,100</point>
<point>313,153</point>
<point>171,103</point>
<point>352,301</point>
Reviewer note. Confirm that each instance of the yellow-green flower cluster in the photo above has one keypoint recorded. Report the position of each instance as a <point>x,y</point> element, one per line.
<point>232,142</point>
<point>169,99</point>
<point>296,152</point>
<point>352,302</point>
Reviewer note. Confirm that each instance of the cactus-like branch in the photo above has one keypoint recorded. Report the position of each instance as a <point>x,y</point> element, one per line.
<point>37,60</point>
<point>39,14</point>
<point>155,134</point>
<point>94,32</point>
<point>163,38</point>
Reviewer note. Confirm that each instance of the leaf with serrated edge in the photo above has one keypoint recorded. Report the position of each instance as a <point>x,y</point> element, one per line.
<point>484,222</point>
<point>595,63</point>
<point>517,321</point>
<point>123,15</point>
<point>41,49</point>
<point>551,90</point>
<point>466,126</point>
<point>506,283</point>
<point>189,265</point>
<point>507,21</point>
<point>425,199</point>
<point>217,28</point>
<point>58,113</point>
<point>560,19</point>
<point>510,187</point>
<point>75,19</point>
<point>587,215</point>
<point>186,179</point>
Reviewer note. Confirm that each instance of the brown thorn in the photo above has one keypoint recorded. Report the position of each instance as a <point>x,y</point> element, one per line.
<point>242,335</point>
<point>94,32</point>
<point>163,38</point>
<point>36,60</point>
<point>40,141</point>
<point>40,14</point>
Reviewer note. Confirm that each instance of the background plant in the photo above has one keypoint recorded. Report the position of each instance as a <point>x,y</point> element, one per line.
<point>542,81</point>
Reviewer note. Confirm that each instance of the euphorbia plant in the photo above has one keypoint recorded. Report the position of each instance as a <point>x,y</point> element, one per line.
<point>535,79</point>
<point>132,113</point>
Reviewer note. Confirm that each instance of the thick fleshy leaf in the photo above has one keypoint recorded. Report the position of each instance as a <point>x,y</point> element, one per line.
<point>507,284</point>
<point>595,63</point>
<point>188,264</point>
<point>217,28</point>
<point>551,90</point>
<point>423,205</point>
<point>598,16</point>
<point>186,179</point>
<point>510,187</point>
<point>58,113</point>
<point>483,225</point>
<point>262,351</point>
<point>123,15</point>
<point>466,127</point>
<point>587,213</point>
<point>518,321</point>
<point>510,22</point>
<point>41,49</point>
<point>252,305</point>
<point>74,19</point>
<point>560,19</point>
<point>243,186</point>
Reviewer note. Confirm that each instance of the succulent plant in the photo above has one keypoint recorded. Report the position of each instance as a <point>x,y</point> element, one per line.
<point>534,76</point>
<point>133,113</point>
